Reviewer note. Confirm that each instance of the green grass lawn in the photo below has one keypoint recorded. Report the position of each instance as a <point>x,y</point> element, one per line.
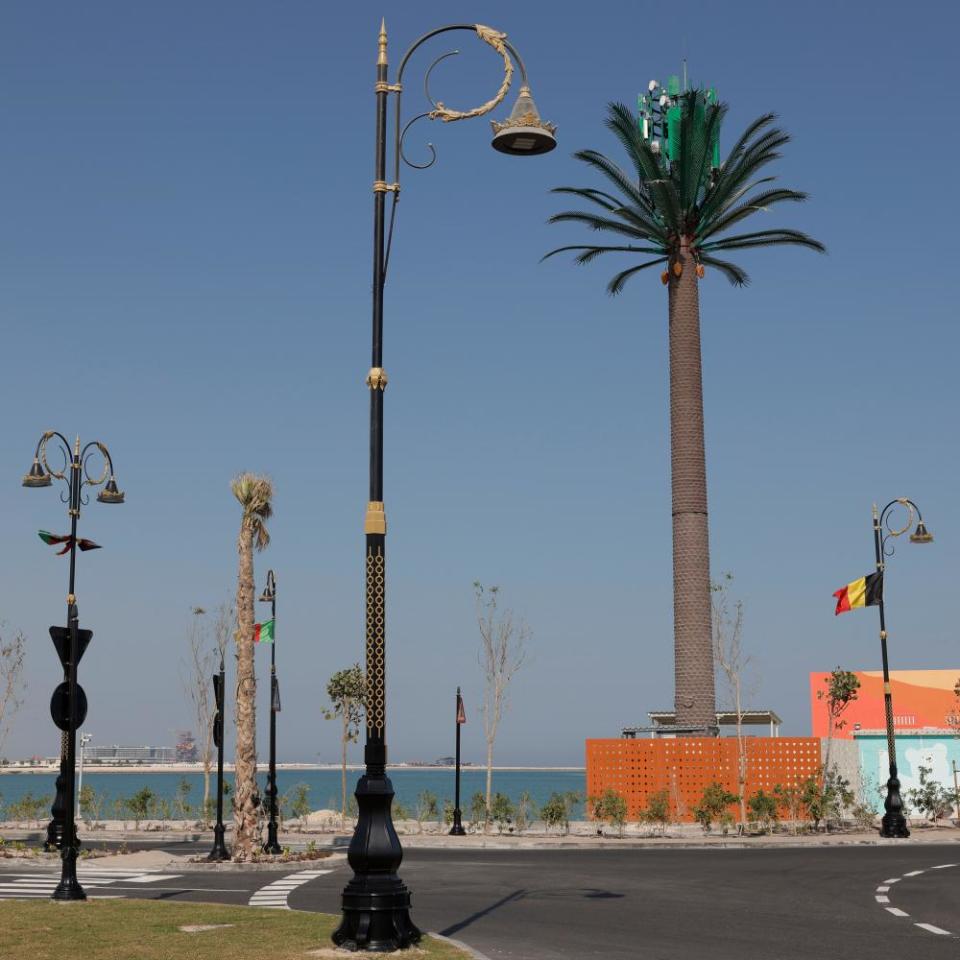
<point>150,930</point>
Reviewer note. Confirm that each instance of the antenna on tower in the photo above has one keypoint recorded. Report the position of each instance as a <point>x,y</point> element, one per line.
<point>685,88</point>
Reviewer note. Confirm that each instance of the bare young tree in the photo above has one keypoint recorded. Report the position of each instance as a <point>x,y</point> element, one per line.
<point>347,690</point>
<point>12,684</point>
<point>733,662</point>
<point>503,642</point>
<point>195,674</point>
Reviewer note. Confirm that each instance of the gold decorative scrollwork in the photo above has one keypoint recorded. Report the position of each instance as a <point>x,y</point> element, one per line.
<point>376,642</point>
<point>496,40</point>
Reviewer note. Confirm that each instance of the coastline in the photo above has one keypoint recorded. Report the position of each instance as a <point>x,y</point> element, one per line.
<point>228,768</point>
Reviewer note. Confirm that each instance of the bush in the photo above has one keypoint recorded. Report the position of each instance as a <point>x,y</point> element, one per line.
<point>140,805</point>
<point>526,811</point>
<point>426,807</point>
<point>763,809</point>
<point>611,807</point>
<point>657,811</point>
<point>930,798</point>
<point>501,811</point>
<point>300,803</point>
<point>554,813</point>
<point>479,815</point>
<point>714,802</point>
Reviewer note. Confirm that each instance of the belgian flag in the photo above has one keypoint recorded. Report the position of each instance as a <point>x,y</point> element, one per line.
<point>865,592</point>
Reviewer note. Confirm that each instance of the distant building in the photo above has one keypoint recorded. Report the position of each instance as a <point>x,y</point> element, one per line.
<point>118,754</point>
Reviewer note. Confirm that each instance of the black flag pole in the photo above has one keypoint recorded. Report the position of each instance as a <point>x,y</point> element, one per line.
<point>457,829</point>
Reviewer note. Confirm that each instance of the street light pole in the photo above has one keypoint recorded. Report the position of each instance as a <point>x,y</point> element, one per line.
<point>219,851</point>
<point>376,903</point>
<point>894,823</point>
<point>270,596</point>
<point>457,829</point>
<point>69,701</point>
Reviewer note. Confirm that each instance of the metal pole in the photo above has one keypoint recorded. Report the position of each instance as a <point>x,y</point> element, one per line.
<point>376,903</point>
<point>956,789</point>
<point>457,829</point>
<point>69,887</point>
<point>893,823</point>
<point>273,845</point>
<point>219,851</point>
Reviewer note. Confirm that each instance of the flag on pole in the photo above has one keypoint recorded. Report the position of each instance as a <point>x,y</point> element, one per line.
<point>263,632</point>
<point>53,540</point>
<point>461,713</point>
<point>865,592</point>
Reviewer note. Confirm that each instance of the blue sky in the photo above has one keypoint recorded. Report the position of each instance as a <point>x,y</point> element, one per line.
<point>185,274</point>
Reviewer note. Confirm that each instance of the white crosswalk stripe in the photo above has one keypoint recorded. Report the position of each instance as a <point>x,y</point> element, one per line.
<point>274,895</point>
<point>27,885</point>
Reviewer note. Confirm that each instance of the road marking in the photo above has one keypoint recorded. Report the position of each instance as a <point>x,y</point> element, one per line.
<point>897,912</point>
<point>35,884</point>
<point>274,895</point>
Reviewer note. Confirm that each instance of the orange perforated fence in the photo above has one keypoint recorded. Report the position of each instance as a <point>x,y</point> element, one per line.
<point>685,766</point>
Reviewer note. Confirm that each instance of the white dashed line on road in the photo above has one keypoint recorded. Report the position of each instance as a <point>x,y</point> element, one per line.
<point>929,927</point>
<point>274,895</point>
<point>897,912</point>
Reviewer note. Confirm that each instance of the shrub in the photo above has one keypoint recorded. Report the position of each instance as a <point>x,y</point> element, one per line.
<point>610,807</point>
<point>763,809</point>
<point>501,811</point>
<point>715,800</point>
<point>930,798</point>
<point>657,811</point>
<point>426,807</point>
<point>554,813</point>
<point>479,815</point>
<point>140,805</point>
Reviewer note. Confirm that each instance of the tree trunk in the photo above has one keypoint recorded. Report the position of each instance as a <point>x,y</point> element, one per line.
<point>486,819</point>
<point>695,698</point>
<point>245,776</point>
<point>343,763</point>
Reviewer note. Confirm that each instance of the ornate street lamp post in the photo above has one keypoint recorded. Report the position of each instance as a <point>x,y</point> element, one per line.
<point>69,704</point>
<point>376,903</point>
<point>269,595</point>
<point>894,823</point>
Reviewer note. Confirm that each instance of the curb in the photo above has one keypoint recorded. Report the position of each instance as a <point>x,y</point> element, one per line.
<point>460,945</point>
<point>229,866</point>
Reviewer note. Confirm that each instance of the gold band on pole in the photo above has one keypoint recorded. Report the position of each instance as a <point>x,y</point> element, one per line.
<point>375,520</point>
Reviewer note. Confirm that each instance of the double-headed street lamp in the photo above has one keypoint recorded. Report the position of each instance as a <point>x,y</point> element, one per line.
<point>69,704</point>
<point>269,595</point>
<point>376,903</point>
<point>894,823</point>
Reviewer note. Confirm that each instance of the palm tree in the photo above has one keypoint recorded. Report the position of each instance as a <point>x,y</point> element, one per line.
<point>679,214</point>
<point>254,494</point>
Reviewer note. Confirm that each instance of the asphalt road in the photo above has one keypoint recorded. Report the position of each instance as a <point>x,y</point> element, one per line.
<point>634,904</point>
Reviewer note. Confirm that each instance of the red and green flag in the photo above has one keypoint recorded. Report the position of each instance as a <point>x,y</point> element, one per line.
<point>865,592</point>
<point>263,632</point>
<point>54,540</point>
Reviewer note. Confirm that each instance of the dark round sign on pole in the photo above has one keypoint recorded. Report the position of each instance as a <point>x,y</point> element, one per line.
<point>59,710</point>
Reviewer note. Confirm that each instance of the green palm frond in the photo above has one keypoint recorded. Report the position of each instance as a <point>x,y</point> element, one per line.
<point>623,124</point>
<point>760,201</point>
<point>766,238</point>
<point>616,175</point>
<point>682,201</point>
<point>617,283</point>
<point>591,253</point>
<point>596,222</point>
<point>736,275</point>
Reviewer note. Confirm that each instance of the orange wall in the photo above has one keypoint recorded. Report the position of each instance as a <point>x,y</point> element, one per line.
<point>921,698</point>
<point>686,765</point>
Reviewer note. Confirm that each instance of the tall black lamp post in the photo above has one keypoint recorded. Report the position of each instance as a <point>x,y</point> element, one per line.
<point>376,903</point>
<point>219,851</point>
<point>269,595</point>
<point>69,703</point>
<point>457,829</point>
<point>894,823</point>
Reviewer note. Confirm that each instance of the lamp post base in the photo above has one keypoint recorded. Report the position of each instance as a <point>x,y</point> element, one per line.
<point>219,853</point>
<point>376,902</point>
<point>457,829</point>
<point>893,826</point>
<point>273,844</point>
<point>69,887</point>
